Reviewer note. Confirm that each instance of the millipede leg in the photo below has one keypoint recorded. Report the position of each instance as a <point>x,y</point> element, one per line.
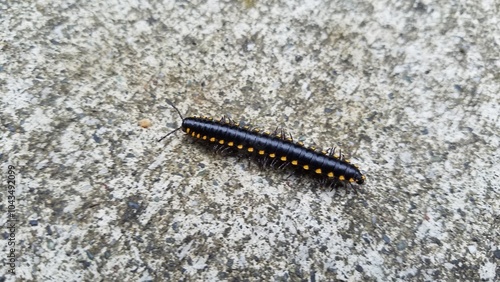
<point>283,165</point>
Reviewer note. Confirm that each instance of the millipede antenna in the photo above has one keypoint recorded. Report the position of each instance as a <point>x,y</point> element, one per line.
<point>175,108</point>
<point>180,115</point>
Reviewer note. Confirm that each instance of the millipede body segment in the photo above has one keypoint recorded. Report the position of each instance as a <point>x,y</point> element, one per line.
<point>275,146</point>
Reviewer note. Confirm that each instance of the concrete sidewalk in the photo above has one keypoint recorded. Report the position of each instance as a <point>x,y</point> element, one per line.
<point>409,89</point>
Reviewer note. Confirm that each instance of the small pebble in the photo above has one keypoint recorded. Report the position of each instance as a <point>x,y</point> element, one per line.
<point>145,123</point>
<point>133,205</point>
<point>401,245</point>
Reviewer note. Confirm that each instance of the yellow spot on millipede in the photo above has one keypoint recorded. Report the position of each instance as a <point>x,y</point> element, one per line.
<point>204,137</point>
<point>193,133</point>
<point>330,174</point>
<point>212,139</point>
<point>221,142</point>
<point>351,180</point>
<point>250,149</point>
<point>239,147</point>
<point>283,158</point>
<point>318,171</point>
<point>300,143</point>
<point>261,152</point>
<point>341,178</point>
<point>272,155</point>
<point>198,135</point>
<point>230,144</point>
<point>188,130</point>
<point>306,167</point>
<point>295,162</point>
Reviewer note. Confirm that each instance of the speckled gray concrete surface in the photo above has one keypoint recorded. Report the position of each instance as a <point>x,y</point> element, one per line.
<point>409,88</point>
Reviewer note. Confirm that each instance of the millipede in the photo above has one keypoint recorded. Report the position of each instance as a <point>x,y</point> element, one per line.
<point>277,147</point>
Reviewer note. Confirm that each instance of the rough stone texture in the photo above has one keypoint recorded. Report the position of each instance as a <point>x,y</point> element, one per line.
<point>410,88</point>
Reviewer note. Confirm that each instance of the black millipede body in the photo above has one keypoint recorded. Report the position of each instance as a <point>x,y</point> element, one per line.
<point>280,149</point>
